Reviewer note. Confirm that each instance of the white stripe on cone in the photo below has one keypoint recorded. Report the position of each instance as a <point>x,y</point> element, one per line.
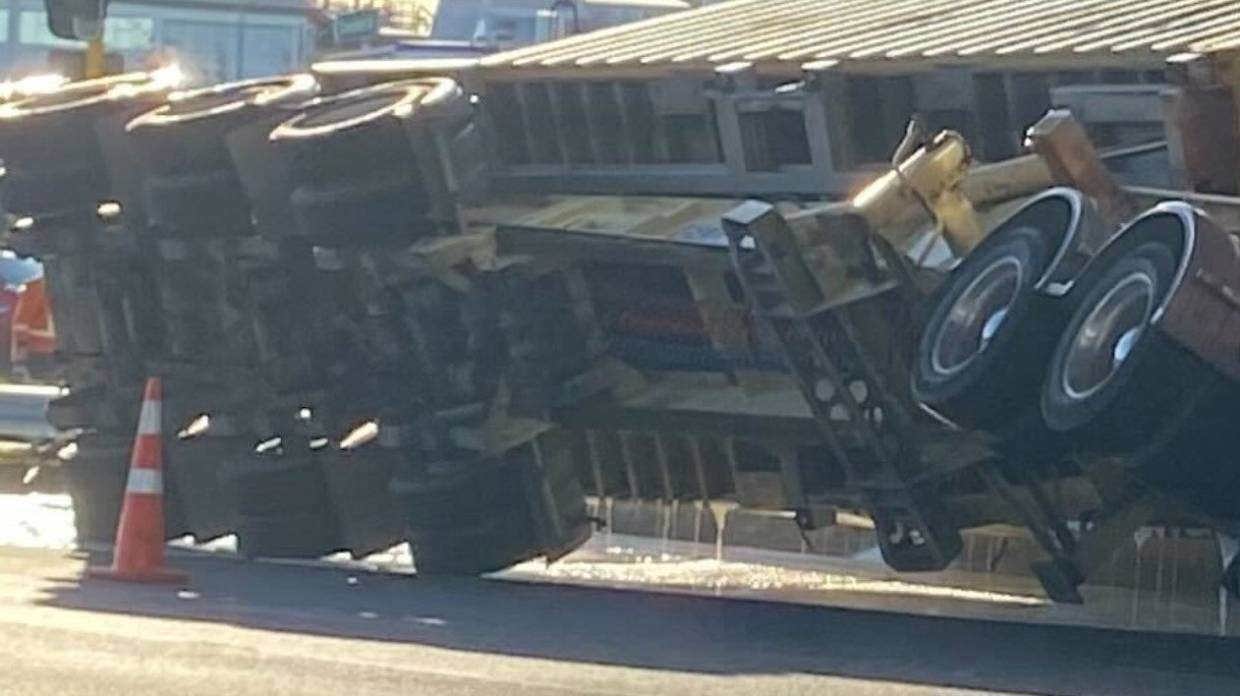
<point>148,481</point>
<point>149,420</point>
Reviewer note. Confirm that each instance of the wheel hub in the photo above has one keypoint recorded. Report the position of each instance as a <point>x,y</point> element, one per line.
<point>1108,335</point>
<point>977,316</point>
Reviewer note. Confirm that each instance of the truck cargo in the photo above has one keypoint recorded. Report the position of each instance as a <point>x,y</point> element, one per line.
<point>669,261</point>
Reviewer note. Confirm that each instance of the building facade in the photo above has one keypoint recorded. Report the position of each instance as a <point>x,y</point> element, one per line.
<point>212,40</point>
<point>509,23</point>
<point>220,40</point>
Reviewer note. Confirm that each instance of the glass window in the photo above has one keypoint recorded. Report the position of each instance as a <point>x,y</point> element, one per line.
<point>510,29</point>
<point>268,50</point>
<point>456,22</point>
<point>33,31</point>
<point>123,33</point>
<point>206,50</point>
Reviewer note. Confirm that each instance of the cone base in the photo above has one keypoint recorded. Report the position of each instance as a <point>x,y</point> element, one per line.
<point>165,576</point>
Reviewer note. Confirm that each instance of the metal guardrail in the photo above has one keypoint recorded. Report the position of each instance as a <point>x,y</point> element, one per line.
<point>23,412</point>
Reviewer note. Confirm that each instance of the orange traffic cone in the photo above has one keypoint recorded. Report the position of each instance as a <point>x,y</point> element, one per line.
<point>139,553</point>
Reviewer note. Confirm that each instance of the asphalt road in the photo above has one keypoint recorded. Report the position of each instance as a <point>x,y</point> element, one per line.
<point>248,629</point>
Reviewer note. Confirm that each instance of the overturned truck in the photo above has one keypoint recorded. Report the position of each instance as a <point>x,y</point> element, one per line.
<point>392,305</point>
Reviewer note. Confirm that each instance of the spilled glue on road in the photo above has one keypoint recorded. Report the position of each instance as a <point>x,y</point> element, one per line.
<point>1159,596</point>
<point>635,564</point>
<point>36,520</point>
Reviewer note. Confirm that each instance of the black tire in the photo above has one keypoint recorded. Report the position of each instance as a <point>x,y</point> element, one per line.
<point>363,130</point>
<point>199,204</point>
<point>329,213</point>
<point>264,173</point>
<point>96,408</point>
<point>358,486</point>
<point>41,133</point>
<point>984,372</point>
<point>194,466</point>
<point>96,481</point>
<point>273,486</point>
<point>1111,396</point>
<point>487,548</point>
<point>478,517</point>
<point>353,164</point>
<point>449,495</point>
<point>309,534</point>
<point>191,183</point>
<point>50,191</point>
<point>186,135</point>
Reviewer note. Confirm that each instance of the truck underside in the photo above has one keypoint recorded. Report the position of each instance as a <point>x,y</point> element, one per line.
<point>368,337</point>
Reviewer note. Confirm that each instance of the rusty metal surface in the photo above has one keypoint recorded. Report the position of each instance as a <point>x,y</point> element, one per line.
<point>877,31</point>
<point>1061,142</point>
<point>1204,313</point>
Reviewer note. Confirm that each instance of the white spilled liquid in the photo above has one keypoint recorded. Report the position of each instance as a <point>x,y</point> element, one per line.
<point>36,520</point>
<point>1165,587</point>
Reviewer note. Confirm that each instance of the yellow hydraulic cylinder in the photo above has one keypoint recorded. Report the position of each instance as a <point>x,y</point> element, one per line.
<point>930,177</point>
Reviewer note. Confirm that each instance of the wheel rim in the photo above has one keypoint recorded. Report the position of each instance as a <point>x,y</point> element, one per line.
<point>977,316</point>
<point>1106,338</point>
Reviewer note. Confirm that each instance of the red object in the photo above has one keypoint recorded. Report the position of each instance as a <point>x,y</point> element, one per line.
<point>139,553</point>
<point>9,298</point>
<point>32,328</point>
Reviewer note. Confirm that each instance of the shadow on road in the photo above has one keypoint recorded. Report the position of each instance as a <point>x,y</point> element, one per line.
<point>673,632</point>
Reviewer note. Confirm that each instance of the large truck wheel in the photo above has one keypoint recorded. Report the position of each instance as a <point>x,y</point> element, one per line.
<point>358,486</point>
<point>982,353</point>
<point>38,135</point>
<point>972,364</point>
<point>1145,372</point>
<point>469,517</point>
<point>96,479</point>
<point>191,182</point>
<point>297,535</point>
<point>487,548</point>
<point>187,134</point>
<point>282,505</point>
<point>1131,378</point>
<point>354,170</point>
<point>206,500</point>
<point>1111,369</point>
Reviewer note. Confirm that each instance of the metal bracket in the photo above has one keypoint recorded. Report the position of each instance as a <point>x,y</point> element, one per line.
<point>868,430</point>
<point>1129,505</point>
